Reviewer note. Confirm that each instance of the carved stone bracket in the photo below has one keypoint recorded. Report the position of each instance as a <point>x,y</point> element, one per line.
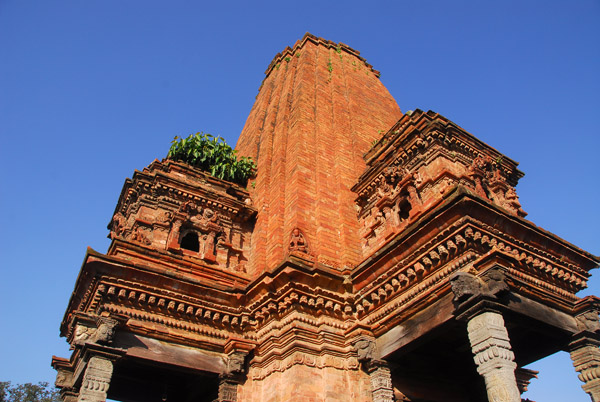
<point>493,356</point>
<point>378,370</point>
<point>102,333</point>
<point>491,283</point>
<point>585,355</point>
<point>465,286</point>
<point>588,321</point>
<point>586,314</point>
<point>235,363</point>
<point>96,380</point>
<point>106,330</point>
<point>365,349</point>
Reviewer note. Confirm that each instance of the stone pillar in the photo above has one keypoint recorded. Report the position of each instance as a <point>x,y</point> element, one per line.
<point>493,356</point>
<point>228,388</point>
<point>381,381</point>
<point>586,359</point>
<point>96,380</point>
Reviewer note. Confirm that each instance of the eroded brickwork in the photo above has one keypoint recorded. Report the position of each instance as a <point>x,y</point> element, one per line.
<point>318,111</point>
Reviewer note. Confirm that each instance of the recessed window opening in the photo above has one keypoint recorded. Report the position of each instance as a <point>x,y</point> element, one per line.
<point>190,242</point>
<point>404,210</point>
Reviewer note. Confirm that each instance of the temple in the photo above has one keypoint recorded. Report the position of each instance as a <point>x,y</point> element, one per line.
<point>375,256</point>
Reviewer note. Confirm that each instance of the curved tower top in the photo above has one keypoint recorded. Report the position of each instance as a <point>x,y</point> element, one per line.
<point>319,109</point>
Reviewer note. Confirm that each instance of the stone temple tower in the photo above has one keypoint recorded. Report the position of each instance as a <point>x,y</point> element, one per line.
<point>375,256</point>
<point>319,109</point>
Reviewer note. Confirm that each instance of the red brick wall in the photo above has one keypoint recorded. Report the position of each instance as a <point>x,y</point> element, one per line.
<point>304,383</point>
<point>317,112</point>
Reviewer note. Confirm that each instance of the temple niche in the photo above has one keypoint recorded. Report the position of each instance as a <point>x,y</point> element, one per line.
<point>359,264</point>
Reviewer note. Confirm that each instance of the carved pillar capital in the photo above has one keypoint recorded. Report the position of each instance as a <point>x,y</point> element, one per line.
<point>493,356</point>
<point>585,354</point>
<point>96,380</point>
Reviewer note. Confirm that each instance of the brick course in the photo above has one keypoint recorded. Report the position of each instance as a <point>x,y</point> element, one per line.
<point>317,112</point>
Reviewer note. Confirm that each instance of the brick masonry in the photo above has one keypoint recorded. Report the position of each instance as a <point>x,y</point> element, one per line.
<point>319,109</point>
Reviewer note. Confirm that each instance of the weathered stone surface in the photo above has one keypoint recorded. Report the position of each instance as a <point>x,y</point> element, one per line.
<point>96,380</point>
<point>494,357</point>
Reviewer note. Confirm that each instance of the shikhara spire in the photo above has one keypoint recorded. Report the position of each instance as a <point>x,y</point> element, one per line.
<point>319,109</point>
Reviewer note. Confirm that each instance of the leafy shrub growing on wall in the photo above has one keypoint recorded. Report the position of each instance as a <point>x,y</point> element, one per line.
<point>213,155</point>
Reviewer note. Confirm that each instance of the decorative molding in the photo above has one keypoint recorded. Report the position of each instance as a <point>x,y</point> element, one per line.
<point>319,361</point>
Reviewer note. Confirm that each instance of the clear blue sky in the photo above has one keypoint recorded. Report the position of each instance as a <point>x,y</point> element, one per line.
<point>91,90</point>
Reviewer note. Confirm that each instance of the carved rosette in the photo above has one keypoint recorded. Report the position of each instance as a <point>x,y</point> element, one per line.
<point>493,355</point>
<point>96,380</point>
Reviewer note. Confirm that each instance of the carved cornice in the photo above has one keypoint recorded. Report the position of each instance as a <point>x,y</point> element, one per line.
<point>424,272</point>
<point>176,182</point>
<point>257,372</point>
<point>419,130</point>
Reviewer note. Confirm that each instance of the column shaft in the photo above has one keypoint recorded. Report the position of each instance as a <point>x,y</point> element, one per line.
<point>493,356</point>
<point>96,380</point>
<point>586,360</point>
<point>228,389</point>
<point>381,381</point>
